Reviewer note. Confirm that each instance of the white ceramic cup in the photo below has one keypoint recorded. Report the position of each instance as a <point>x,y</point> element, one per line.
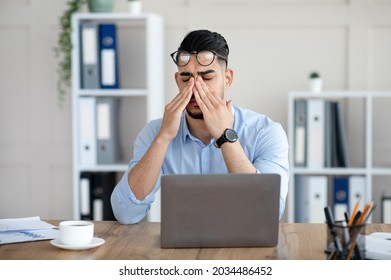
<point>76,233</point>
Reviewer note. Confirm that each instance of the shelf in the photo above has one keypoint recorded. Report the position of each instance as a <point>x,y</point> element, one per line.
<point>329,171</point>
<point>112,92</point>
<point>113,16</point>
<point>104,168</point>
<point>114,125</point>
<point>364,125</point>
<point>339,94</point>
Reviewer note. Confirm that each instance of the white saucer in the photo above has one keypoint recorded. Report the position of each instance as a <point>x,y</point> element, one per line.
<point>96,241</point>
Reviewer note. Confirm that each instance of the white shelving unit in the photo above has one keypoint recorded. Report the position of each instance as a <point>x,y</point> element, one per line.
<point>140,46</point>
<point>369,168</point>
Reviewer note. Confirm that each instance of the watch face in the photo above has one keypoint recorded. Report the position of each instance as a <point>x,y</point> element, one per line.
<point>231,135</point>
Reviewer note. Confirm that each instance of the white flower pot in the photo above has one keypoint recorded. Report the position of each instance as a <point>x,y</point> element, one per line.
<point>316,85</point>
<point>135,7</point>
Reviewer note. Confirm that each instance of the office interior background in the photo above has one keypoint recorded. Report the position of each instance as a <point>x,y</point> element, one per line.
<point>274,45</point>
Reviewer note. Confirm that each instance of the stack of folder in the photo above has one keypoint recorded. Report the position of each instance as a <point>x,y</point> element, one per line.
<point>319,133</point>
<point>98,130</point>
<point>99,62</point>
<point>95,193</point>
<point>320,141</point>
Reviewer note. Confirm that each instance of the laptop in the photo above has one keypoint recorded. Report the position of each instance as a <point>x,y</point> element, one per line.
<point>219,210</point>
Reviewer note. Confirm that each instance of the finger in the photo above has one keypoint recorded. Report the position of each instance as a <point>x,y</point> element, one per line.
<point>213,97</point>
<point>200,102</point>
<point>203,91</point>
<point>182,98</point>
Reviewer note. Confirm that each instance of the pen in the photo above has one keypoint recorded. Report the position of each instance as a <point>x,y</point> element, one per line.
<point>346,215</point>
<point>331,224</point>
<point>329,217</point>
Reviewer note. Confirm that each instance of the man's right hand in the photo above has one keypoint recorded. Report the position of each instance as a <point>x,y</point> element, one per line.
<point>173,112</point>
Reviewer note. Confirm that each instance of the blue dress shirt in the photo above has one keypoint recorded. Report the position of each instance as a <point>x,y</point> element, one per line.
<point>263,141</point>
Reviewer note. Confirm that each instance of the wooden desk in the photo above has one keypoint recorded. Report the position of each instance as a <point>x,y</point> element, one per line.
<point>142,241</point>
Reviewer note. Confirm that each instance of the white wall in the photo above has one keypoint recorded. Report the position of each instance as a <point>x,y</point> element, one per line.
<point>274,45</point>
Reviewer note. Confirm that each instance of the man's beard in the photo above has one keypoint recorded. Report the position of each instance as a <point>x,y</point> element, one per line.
<point>196,115</point>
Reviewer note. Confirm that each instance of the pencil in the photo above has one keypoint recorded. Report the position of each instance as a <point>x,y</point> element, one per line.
<point>367,209</point>
<point>354,213</point>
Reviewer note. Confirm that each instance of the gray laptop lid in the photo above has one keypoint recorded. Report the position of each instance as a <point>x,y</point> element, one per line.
<point>220,210</point>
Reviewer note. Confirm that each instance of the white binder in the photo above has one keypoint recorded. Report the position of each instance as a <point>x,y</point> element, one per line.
<point>386,210</point>
<point>85,196</point>
<point>357,186</point>
<point>310,198</point>
<point>87,131</point>
<point>315,133</point>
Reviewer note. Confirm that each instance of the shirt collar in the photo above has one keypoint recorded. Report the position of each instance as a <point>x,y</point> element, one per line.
<point>185,129</point>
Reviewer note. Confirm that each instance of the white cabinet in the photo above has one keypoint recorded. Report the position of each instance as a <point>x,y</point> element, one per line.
<point>139,96</point>
<point>367,125</point>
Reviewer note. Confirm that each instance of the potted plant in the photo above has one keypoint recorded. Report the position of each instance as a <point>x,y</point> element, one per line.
<point>315,82</point>
<point>63,50</point>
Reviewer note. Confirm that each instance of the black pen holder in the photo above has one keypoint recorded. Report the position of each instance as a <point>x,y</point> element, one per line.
<point>346,242</point>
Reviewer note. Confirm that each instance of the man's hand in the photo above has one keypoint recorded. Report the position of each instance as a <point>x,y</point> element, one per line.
<point>173,112</point>
<point>217,112</point>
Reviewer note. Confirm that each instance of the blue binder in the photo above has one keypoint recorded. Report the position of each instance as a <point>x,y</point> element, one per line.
<point>108,56</point>
<point>340,197</point>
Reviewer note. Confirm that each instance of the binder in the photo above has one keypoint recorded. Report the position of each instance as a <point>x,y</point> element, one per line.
<point>108,55</point>
<point>330,134</point>
<point>106,131</point>
<point>87,131</point>
<point>340,197</point>
<point>300,133</point>
<point>341,138</point>
<point>310,198</point>
<point>104,184</point>
<point>86,183</point>
<point>315,133</point>
<point>357,187</point>
<point>386,209</point>
<point>89,55</point>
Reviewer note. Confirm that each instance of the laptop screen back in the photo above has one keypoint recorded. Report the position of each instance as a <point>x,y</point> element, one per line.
<point>220,210</point>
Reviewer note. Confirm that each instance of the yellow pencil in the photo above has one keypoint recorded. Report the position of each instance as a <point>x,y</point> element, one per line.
<point>367,208</point>
<point>354,213</point>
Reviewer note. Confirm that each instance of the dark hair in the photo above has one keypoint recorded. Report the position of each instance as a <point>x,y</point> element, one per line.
<point>199,40</point>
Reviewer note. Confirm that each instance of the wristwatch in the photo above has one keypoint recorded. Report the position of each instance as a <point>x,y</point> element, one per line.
<point>229,135</point>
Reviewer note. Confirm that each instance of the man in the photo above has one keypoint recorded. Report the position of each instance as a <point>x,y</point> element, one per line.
<point>201,132</point>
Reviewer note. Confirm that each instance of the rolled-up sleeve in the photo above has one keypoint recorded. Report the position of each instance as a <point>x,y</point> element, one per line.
<point>273,158</point>
<point>126,207</point>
